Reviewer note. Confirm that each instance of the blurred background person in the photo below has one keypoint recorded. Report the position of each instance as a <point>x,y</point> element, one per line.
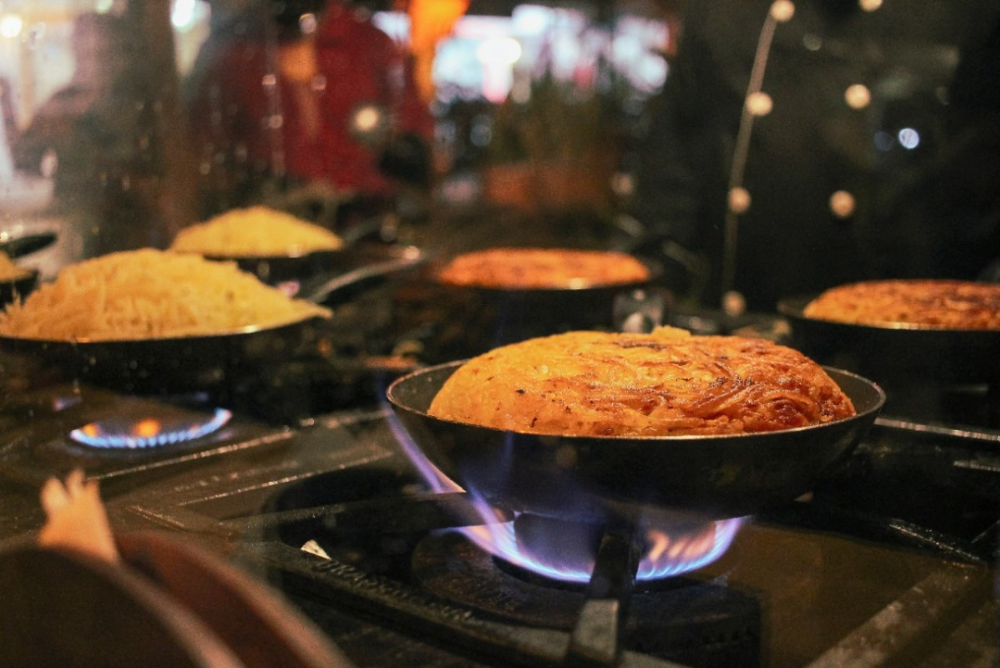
<point>97,138</point>
<point>312,102</point>
<point>802,144</point>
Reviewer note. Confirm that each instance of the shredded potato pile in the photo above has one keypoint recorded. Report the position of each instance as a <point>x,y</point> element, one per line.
<point>10,271</point>
<point>527,268</point>
<point>255,231</point>
<point>150,294</point>
<point>667,383</point>
<point>939,304</point>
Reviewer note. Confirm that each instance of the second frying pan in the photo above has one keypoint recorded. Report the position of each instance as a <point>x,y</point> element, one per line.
<point>469,320</point>
<point>896,354</point>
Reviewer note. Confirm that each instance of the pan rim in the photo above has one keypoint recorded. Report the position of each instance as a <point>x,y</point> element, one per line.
<point>242,331</point>
<point>404,251</point>
<point>576,438</point>
<point>318,252</point>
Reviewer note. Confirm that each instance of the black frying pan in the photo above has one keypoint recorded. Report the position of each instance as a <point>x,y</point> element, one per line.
<point>719,475</point>
<point>275,269</point>
<point>893,354</point>
<point>356,252</point>
<point>472,319</point>
<point>316,265</point>
<point>19,246</point>
<point>163,365</point>
<point>188,363</point>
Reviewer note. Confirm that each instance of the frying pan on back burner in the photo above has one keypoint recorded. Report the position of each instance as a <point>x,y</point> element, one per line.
<point>213,362</point>
<point>896,354</point>
<point>473,319</point>
<point>363,245</point>
<point>314,265</point>
<point>580,477</point>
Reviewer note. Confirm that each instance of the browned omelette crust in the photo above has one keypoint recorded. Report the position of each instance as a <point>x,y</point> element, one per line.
<point>941,304</point>
<point>667,383</point>
<point>542,268</point>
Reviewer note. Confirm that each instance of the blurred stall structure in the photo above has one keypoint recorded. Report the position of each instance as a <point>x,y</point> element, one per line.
<point>99,112</point>
<point>803,145</point>
<point>96,109</point>
<point>311,97</point>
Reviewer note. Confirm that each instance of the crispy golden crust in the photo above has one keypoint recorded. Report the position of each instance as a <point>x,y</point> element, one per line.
<point>939,304</point>
<point>542,268</point>
<point>667,383</point>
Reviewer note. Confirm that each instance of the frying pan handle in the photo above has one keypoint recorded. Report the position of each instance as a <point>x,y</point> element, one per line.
<point>381,227</point>
<point>342,287</point>
<point>16,247</point>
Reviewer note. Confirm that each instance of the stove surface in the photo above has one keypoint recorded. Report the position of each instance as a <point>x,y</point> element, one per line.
<point>333,513</point>
<point>890,561</point>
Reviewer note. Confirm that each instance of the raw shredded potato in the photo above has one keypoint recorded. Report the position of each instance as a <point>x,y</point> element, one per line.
<point>150,294</point>
<point>255,231</point>
<point>10,271</point>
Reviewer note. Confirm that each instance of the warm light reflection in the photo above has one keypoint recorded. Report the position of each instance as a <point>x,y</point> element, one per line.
<point>64,402</point>
<point>182,16</point>
<point>367,119</point>
<point>670,550</point>
<point>147,432</point>
<point>10,25</point>
<point>147,428</point>
<point>504,51</point>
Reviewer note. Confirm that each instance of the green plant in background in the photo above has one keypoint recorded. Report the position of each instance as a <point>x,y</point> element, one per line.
<point>558,121</point>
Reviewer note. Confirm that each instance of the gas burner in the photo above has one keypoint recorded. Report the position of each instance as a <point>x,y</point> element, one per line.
<point>565,547</point>
<point>670,544</point>
<point>168,425</point>
<point>667,618</point>
<point>109,435</point>
<point>563,550</point>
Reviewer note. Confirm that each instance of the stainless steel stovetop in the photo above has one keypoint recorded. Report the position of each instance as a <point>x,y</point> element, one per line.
<point>331,511</point>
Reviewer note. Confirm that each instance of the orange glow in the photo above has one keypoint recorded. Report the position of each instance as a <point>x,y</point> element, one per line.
<point>430,22</point>
<point>147,428</point>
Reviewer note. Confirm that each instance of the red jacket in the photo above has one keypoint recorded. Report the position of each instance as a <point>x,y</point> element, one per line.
<point>258,119</point>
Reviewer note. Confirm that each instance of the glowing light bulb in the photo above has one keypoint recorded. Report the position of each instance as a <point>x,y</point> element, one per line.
<point>759,104</point>
<point>11,25</point>
<point>782,10</point>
